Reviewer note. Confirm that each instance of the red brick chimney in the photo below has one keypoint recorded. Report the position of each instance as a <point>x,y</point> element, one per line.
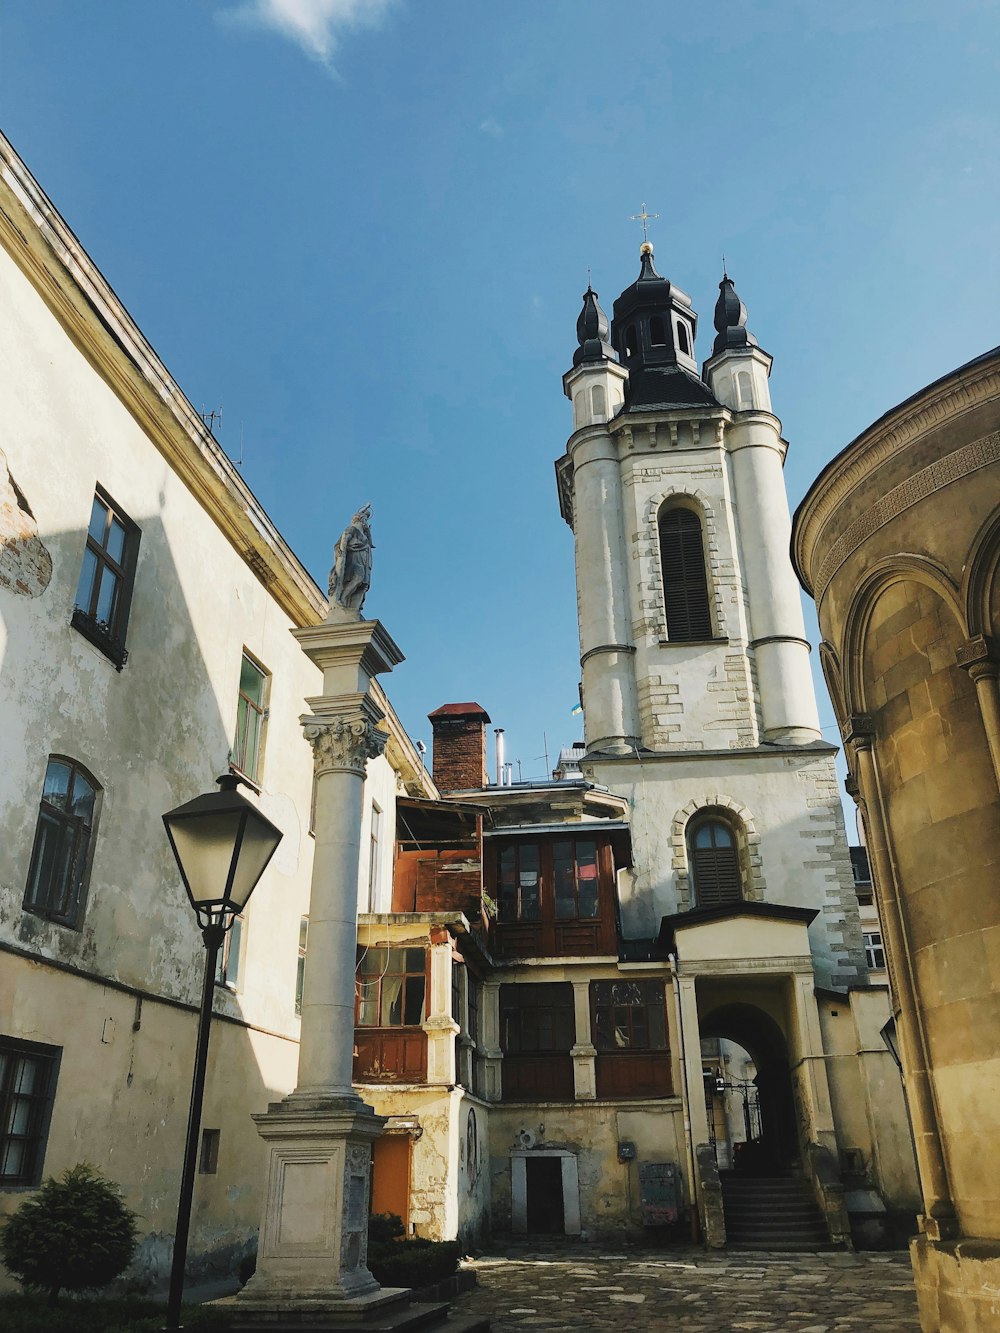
<point>459,762</point>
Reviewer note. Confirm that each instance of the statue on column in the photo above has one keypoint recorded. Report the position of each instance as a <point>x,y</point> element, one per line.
<point>351,575</point>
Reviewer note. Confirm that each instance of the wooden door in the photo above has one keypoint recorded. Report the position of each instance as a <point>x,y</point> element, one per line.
<point>391,1176</point>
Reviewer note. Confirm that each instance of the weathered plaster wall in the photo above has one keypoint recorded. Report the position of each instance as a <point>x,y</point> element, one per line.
<point>796,851</point>
<point>152,736</point>
<point>609,1190</point>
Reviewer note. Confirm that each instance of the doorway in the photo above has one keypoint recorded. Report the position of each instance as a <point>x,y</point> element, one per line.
<point>546,1213</point>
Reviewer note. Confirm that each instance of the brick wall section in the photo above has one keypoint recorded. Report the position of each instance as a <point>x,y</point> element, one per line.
<point>459,761</point>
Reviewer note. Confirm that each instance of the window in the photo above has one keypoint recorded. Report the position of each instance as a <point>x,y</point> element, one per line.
<point>230,965</point>
<point>862,875</point>
<point>874,950</point>
<point>657,336</point>
<point>104,593</point>
<point>713,856</point>
<point>472,997</point>
<point>251,715</point>
<point>744,389</point>
<point>374,856</point>
<point>683,338</point>
<point>208,1160</point>
<point>599,402</point>
<point>518,882</point>
<point>628,1015</point>
<point>537,1019</point>
<point>631,346</point>
<point>60,857</point>
<point>537,1031</point>
<point>574,876</point>
<point>27,1086</point>
<point>300,968</point>
<point>685,582</point>
<point>391,987</point>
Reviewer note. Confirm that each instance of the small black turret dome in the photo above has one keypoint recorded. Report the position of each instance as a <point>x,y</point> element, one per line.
<point>731,319</point>
<point>653,332</point>
<point>592,329</point>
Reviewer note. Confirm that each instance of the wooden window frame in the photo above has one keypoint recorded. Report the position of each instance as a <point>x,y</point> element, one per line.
<point>39,1107</point>
<point>874,945</point>
<point>238,755</point>
<point>548,934</point>
<point>81,852</point>
<point>687,602</point>
<point>424,973</point>
<point>391,1052</point>
<point>638,1069</point>
<point>108,636</point>
<point>536,1070</point>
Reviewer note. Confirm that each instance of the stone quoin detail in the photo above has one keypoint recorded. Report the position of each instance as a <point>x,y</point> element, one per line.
<point>343,743</point>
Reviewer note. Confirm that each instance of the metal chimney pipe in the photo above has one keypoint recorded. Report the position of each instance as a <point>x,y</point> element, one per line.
<point>498,733</point>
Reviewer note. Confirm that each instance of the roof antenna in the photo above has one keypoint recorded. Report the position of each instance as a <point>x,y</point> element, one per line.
<point>211,417</point>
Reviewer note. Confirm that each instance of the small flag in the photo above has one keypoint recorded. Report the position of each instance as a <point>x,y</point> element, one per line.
<point>578,709</point>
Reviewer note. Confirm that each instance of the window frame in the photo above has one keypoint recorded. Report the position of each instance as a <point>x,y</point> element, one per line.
<point>300,964</point>
<point>649,1002</point>
<point>238,753</point>
<point>375,820</point>
<point>227,978</point>
<point>108,636</point>
<point>684,574</point>
<point>361,979</point>
<point>40,1112</point>
<point>82,859</point>
<point>874,945</point>
<point>717,894</point>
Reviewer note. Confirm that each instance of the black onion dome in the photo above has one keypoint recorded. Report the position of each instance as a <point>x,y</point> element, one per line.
<point>731,319</point>
<point>592,330</point>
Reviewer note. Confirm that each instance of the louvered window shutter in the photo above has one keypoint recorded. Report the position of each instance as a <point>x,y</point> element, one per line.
<point>685,585</point>
<point>715,865</point>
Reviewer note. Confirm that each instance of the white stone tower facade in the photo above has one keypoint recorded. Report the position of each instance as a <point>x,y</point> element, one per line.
<point>695,676</point>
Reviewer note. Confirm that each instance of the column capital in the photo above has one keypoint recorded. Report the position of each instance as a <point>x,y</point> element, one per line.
<point>345,739</point>
<point>979,657</point>
<point>859,733</point>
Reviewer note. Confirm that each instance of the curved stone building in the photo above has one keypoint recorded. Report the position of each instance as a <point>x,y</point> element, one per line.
<point>899,543</point>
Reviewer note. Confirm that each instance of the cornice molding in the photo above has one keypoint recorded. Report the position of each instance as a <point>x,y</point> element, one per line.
<point>80,298</point>
<point>968,388</point>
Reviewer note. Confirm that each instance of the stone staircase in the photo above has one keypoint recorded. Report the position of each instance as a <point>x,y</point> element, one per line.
<point>771,1213</point>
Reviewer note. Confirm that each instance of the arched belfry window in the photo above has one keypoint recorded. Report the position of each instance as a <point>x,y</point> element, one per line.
<point>657,335</point>
<point>685,582</point>
<point>714,861</point>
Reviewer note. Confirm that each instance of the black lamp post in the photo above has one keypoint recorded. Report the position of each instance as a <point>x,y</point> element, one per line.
<point>222,844</point>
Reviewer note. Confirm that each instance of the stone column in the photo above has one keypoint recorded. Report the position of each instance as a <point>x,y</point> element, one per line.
<point>939,1211</point>
<point>697,1111</point>
<point>439,1025</point>
<point>313,1234</point>
<point>979,658</point>
<point>584,1052</point>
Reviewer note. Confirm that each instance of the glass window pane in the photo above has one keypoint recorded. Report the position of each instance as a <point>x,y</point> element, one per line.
<point>586,860</point>
<point>107,597</point>
<point>82,799</point>
<point>507,893</point>
<point>20,1116</point>
<point>13,1158</point>
<point>303,931</point>
<point>392,1001</point>
<point>530,899</point>
<point>368,1011</point>
<point>56,787</point>
<point>252,682</point>
<point>49,878</point>
<point>657,1025</point>
<point>414,960</point>
<point>26,1076</point>
<point>414,1008</point>
<point>88,577</point>
<point>98,521</point>
<point>116,541</point>
<point>564,879</point>
<point>703,836</point>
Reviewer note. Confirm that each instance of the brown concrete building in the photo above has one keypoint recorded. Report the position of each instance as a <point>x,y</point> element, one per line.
<point>899,543</point>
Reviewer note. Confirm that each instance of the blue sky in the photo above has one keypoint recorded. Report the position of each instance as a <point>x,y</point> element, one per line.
<point>364,229</point>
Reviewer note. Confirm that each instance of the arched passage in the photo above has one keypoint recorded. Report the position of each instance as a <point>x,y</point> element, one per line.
<point>776,1148</point>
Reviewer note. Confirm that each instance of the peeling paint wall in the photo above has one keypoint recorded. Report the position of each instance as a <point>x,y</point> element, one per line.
<point>610,1195</point>
<point>25,564</point>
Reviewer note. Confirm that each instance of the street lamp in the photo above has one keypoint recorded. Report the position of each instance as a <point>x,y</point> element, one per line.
<point>222,844</point>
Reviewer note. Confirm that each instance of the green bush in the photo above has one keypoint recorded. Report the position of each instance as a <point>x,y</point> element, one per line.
<point>75,1234</point>
<point>395,1262</point>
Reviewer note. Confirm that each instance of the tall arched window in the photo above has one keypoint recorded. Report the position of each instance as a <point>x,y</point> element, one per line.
<point>714,861</point>
<point>60,858</point>
<point>685,583</point>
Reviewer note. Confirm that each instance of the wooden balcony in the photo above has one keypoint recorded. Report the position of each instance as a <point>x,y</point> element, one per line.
<point>625,1074</point>
<point>390,1055</point>
<point>537,1078</point>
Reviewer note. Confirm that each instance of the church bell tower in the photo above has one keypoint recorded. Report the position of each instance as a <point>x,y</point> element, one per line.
<point>691,630</point>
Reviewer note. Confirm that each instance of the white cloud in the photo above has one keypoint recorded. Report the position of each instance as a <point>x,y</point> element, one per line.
<point>317,25</point>
<point>492,127</point>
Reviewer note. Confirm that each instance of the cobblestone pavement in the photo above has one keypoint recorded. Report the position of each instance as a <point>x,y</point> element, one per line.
<point>587,1288</point>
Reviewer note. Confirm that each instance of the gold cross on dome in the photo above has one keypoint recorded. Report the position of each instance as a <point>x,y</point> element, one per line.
<point>644,218</point>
